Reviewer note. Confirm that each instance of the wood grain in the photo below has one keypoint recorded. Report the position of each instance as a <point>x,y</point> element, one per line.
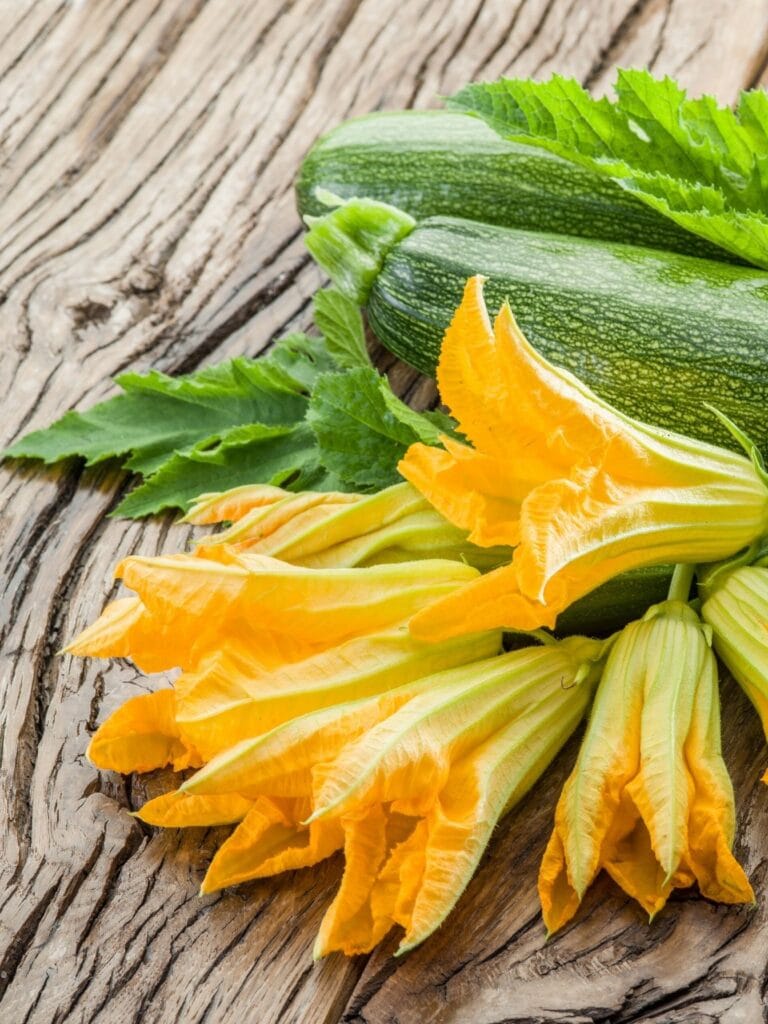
<point>147,152</point>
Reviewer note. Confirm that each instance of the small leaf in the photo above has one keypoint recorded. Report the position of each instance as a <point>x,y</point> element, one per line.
<point>175,424</point>
<point>284,456</point>
<point>157,415</point>
<point>362,429</point>
<point>341,323</point>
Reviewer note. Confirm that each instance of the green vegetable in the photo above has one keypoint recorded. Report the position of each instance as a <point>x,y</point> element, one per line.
<point>338,320</point>
<point>617,602</point>
<point>363,429</point>
<point>657,334</point>
<point>283,456</point>
<point>701,165</point>
<point>430,162</point>
<point>290,418</point>
<point>157,414</point>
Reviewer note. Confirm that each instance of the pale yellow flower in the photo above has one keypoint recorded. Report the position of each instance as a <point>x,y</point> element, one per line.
<point>330,530</point>
<point>649,799</point>
<point>411,782</point>
<point>735,605</point>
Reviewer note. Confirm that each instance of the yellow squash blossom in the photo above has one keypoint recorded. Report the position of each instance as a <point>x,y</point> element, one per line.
<point>232,697</point>
<point>229,698</point>
<point>649,799</point>
<point>411,782</point>
<point>735,605</point>
<point>143,735</point>
<point>581,491</point>
<point>330,530</point>
<point>188,608</point>
<point>260,642</point>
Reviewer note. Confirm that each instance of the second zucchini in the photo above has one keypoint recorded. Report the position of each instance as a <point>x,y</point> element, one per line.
<point>657,334</point>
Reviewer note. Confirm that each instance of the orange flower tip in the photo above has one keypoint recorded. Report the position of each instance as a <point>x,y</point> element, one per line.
<point>207,887</point>
<point>553,927</point>
<point>89,756</point>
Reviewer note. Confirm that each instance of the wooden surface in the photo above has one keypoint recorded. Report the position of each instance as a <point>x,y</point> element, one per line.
<point>147,151</point>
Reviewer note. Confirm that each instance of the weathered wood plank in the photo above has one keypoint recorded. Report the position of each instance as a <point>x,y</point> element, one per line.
<point>147,151</point>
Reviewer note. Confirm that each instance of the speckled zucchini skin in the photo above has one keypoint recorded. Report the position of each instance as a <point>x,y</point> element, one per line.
<point>617,602</point>
<point>656,334</point>
<point>439,162</point>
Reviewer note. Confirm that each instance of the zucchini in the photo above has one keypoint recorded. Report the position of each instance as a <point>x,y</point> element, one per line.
<point>657,334</point>
<point>437,162</point>
<point>621,600</point>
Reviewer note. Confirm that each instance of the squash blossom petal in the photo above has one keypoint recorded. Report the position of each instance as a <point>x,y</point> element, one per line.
<point>233,695</point>
<point>188,608</point>
<point>415,779</point>
<point>649,799</point>
<point>735,605</point>
<point>320,530</point>
<point>582,491</point>
<point>270,836</point>
<point>142,735</point>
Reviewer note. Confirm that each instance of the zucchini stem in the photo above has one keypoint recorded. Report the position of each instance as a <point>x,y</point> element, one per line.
<point>351,242</point>
<point>680,585</point>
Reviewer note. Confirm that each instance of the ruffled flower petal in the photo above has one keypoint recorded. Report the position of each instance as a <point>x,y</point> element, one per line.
<point>271,839</point>
<point>231,698</point>
<point>141,736</point>
<point>383,854</point>
<point>182,810</point>
<point>234,504</point>
<point>712,820</point>
<point>735,605</point>
<point>301,525</point>
<point>406,759</point>
<point>189,608</point>
<point>409,858</point>
<point>281,763</point>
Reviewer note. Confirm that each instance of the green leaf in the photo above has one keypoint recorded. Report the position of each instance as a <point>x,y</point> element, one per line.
<point>298,360</point>
<point>284,456</point>
<point>426,426</point>
<point>341,323</point>
<point>363,429</point>
<point>157,415</point>
<point>703,166</point>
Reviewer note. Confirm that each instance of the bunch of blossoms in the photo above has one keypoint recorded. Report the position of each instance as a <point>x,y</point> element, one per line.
<point>342,684</point>
<point>318,721</point>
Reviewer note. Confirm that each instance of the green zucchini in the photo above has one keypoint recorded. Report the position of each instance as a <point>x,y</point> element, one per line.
<point>438,162</point>
<point>617,602</point>
<point>657,334</point>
